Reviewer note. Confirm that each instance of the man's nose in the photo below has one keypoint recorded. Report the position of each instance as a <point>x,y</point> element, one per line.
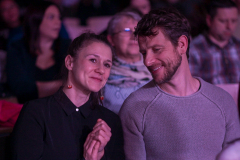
<point>149,59</point>
<point>230,25</point>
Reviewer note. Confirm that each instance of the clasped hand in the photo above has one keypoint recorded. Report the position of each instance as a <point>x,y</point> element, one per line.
<point>97,140</point>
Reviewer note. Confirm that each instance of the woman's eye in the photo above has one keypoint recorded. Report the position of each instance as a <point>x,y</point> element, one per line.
<point>93,60</point>
<point>107,65</point>
<point>50,16</point>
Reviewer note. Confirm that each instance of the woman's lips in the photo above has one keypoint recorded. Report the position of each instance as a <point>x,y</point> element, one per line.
<point>97,79</point>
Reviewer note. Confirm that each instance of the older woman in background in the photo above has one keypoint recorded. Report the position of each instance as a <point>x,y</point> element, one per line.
<point>128,72</point>
<point>34,61</point>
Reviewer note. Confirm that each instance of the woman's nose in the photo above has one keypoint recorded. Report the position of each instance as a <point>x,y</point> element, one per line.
<point>100,69</point>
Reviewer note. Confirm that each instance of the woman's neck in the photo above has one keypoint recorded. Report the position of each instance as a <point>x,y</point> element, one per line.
<point>45,43</point>
<point>78,97</point>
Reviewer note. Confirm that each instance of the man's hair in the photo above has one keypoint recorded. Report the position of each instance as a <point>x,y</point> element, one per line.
<point>169,20</point>
<point>117,17</point>
<point>213,5</point>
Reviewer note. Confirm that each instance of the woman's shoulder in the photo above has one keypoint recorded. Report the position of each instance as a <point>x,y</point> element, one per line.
<point>17,43</point>
<point>38,104</point>
<point>65,41</point>
<point>107,114</point>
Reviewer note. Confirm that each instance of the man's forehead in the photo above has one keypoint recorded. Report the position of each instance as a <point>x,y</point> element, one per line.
<point>148,39</point>
<point>227,12</point>
<point>144,40</point>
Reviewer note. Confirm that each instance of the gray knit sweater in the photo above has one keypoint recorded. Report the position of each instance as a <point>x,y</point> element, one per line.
<point>160,126</point>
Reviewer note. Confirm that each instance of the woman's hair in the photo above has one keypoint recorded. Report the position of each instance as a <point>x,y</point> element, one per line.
<point>118,17</point>
<point>75,47</point>
<point>33,19</point>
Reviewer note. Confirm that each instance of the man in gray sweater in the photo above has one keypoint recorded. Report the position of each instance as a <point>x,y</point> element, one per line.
<point>175,116</point>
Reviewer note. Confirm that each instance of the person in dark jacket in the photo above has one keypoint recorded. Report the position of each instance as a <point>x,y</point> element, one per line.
<point>34,61</point>
<point>72,124</point>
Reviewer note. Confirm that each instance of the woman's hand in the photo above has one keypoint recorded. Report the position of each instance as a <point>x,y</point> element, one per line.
<point>97,140</point>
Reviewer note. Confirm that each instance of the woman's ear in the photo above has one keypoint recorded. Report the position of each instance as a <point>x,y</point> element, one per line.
<point>69,62</point>
<point>182,44</point>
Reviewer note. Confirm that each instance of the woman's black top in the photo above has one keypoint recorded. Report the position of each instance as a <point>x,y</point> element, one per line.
<point>51,128</point>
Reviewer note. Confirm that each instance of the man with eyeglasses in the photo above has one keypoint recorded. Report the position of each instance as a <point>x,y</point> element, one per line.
<point>128,72</point>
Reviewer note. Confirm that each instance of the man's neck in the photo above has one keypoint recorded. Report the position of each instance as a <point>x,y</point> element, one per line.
<point>182,83</point>
<point>221,44</point>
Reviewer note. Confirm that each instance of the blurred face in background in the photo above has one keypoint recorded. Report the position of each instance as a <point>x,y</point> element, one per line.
<point>9,12</point>
<point>172,1</point>
<point>123,40</point>
<point>142,5</point>
<point>51,23</point>
<point>223,24</point>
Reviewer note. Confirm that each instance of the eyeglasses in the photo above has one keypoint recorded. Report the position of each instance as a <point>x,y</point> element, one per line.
<point>126,32</point>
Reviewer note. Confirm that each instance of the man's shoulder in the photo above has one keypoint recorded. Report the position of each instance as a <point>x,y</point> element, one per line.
<point>199,45</point>
<point>198,40</point>
<point>216,94</point>
<point>235,40</point>
<point>146,90</point>
<point>140,98</point>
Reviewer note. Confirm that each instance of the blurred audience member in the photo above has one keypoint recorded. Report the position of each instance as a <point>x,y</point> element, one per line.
<point>186,7</point>
<point>9,28</point>
<point>215,54</point>
<point>191,9</point>
<point>34,61</point>
<point>143,6</point>
<point>128,72</point>
<point>236,33</point>
<point>10,22</point>
<point>232,152</point>
<point>91,8</point>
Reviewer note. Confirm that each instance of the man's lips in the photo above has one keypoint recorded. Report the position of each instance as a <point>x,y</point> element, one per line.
<point>153,70</point>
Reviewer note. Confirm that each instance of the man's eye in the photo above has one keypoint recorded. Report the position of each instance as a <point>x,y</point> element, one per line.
<point>93,60</point>
<point>156,49</point>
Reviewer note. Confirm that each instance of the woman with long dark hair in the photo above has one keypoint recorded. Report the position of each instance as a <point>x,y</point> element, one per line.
<point>34,62</point>
<point>72,124</point>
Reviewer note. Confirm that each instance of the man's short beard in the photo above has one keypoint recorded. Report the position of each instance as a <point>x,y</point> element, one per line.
<point>171,68</point>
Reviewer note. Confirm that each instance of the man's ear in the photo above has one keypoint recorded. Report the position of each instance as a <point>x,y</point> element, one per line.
<point>110,39</point>
<point>182,44</point>
<point>208,20</point>
<point>69,62</point>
